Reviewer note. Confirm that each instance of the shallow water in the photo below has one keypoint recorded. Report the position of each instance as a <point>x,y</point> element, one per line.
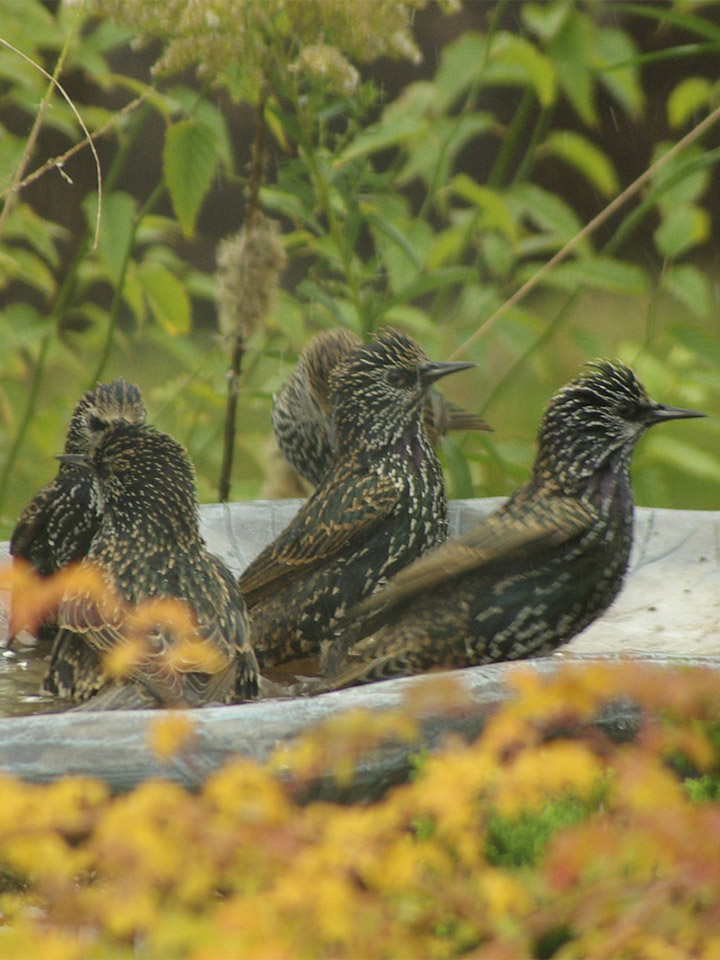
<point>21,674</point>
<point>669,607</point>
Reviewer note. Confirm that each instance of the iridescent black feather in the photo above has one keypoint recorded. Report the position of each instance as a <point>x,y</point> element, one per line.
<point>148,546</point>
<point>58,524</point>
<point>537,571</point>
<point>380,505</point>
<point>302,408</point>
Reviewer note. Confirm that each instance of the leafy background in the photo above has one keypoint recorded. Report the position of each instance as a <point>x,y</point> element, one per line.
<point>422,161</point>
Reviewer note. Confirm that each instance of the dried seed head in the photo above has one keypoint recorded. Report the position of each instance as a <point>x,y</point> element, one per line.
<point>249,266</point>
<point>326,63</point>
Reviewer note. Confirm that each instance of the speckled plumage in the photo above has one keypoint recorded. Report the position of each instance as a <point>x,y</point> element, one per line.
<point>148,546</point>
<point>539,569</point>
<point>302,408</point>
<point>56,527</point>
<point>381,504</point>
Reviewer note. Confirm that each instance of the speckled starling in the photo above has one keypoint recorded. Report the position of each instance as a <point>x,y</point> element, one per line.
<point>539,569</point>
<point>148,547</point>
<point>302,408</point>
<point>58,524</point>
<point>381,504</point>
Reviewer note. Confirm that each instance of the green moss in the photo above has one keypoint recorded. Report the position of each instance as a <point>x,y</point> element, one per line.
<point>550,942</point>
<point>704,789</point>
<point>520,841</point>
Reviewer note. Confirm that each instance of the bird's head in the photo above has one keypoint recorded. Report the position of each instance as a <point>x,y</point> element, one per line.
<point>597,417</point>
<point>98,409</point>
<point>142,476</point>
<point>379,388</point>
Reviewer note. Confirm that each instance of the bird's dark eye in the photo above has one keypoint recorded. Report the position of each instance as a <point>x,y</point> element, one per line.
<point>96,423</point>
<point>629,410</point>
<point>399,377</point>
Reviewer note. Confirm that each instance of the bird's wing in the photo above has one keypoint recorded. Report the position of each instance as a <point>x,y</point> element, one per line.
<point>104,622</point>
<point>505,534</point>
<point>75,668</point>
<point>103,626</point>
<point>336,516</point>
<point>31,519</point>
<point>96,619</point>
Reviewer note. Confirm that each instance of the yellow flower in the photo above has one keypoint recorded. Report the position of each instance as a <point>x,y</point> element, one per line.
<point>171,733</point>
<point>533,775</point>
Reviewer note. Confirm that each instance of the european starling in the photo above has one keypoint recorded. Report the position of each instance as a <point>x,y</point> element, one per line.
<point>56,527</point>
<point>380,505</point>
<point>302,408</point>
<point>148,548</point>
<point>539,569</point>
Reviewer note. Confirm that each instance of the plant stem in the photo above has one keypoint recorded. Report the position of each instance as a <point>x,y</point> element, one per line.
<point>704,125</point>
<point>238,347</point>
<point>27,416</point>
<point>542,124</point>
<point>499,173</point>
<point>14,187</point>
<point>118,292</point>
<point>238,353</point>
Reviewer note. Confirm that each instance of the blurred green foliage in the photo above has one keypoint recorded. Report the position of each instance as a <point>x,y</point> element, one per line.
<point>381,221</point>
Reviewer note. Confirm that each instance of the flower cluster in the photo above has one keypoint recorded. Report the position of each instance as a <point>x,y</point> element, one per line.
<point>317,38</point>
<point>545,837</point>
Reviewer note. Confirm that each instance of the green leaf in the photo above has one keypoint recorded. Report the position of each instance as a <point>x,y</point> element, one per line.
<point>134,294</point>
<point>11,153</point>
<point>433,154</point>
<point>30,27</point>
<point>600,273</point>
<point>210,115</point>
<point>684,457</point>
<point>689,96</point>
<point>404,248</point>
<point>290,205</point>
<point>457,469</point>
<point>572,51</point>
<point>26,266</point>
<point>585,157</point>
<point>415,102</point>
<point>668,17</point>
<point>190,156</point>
<point>690,286</point>
<point>318,297</point>
<point>167,297</point>
<point>498,254</point>
<point>496,214</point>
<point>460,62</point>
<point>545,19</point>
<point>704,347</point>
<point>450,244</point>
<point>25,225</point>
<point>614,52</point>
<point>380,136</point>
<point>87,53</point>
<point>684,178</point>
<point>116,229</point>
<point>413,319</point>
<point>396,235</point>
<point>430,282</point>
<point>514,60</point>
<point>545,209</point>
<point>682,229</point>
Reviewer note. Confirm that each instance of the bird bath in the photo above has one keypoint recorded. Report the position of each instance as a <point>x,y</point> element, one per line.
<point>668,612</point>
